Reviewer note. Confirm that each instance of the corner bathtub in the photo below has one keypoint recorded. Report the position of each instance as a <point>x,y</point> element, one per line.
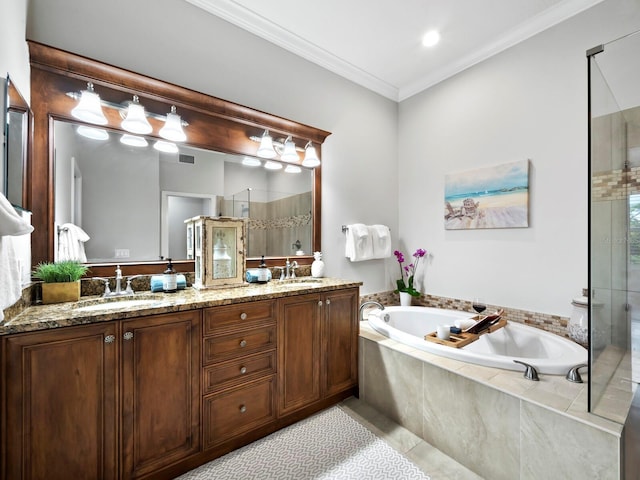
<point>549,353</point>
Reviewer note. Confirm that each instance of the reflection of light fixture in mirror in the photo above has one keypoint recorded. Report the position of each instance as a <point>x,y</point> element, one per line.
<point>92,133</point>
<point>251,162</point>
<point>172,129</point>
<point>289,153</point>
<point>136,120</point>
<point>266,150</point>
<point>89,108</point>
<point>166,147</point>
<point>133,140</point>
<point>310,156</point>
<point>292,169</point>
<point>271,165</point>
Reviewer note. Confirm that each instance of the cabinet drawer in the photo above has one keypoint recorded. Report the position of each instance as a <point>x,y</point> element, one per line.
<point>238,411</point>
<point>220,319</point>
<point>239,343</point>
<point>247,368</point>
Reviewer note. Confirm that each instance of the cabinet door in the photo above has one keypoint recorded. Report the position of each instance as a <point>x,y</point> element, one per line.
<point>160,391</point>
<point>61,403</point>
<point>340,331</point>
<point>299,344</point>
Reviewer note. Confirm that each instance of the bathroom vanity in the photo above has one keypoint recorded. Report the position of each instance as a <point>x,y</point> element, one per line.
<point>154,390</point>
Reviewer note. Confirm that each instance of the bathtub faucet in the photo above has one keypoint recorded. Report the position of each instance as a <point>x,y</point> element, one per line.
<point>369,302</point>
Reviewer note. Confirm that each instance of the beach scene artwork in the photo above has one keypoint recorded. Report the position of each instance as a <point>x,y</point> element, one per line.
<point>490,197</point>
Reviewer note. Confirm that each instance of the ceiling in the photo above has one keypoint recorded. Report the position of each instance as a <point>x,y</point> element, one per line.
<point>377,43</point>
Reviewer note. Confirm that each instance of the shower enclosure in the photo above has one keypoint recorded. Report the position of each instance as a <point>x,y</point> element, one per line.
<point>614,225</point>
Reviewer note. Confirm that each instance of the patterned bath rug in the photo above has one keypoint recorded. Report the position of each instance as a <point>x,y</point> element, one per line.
<point>328,445</point>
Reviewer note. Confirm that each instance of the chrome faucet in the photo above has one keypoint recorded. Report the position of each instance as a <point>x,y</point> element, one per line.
<point>530,372</point>
<point>118,281</point>
<point>369,302</point>
<point>289,270</point>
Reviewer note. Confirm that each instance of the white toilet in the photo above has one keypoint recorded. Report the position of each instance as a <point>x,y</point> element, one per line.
<point>579,322</point>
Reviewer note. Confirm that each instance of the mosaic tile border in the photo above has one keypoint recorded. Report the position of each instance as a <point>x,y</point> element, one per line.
<point>550,323</point>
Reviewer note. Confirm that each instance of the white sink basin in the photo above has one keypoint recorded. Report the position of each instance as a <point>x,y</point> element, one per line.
<point>120,304</point>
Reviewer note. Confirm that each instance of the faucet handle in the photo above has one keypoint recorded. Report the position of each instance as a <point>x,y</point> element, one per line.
<point>530,373</point>
<point>573,375</point>
<point>107,290</point>
<point>129,289</point>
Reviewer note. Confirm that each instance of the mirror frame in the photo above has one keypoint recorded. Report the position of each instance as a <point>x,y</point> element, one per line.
<point>17,103</point>
<point>214,124</point>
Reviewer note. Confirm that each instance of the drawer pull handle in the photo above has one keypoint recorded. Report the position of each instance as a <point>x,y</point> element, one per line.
<point>243,316</point>
<point>243,370</point>
<point>243,408</point>
<point>109,339</point>
<point>243,343</point>
<point>127,335</point>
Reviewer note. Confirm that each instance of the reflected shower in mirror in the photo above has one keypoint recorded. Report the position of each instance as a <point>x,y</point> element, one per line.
<point>132,201</point>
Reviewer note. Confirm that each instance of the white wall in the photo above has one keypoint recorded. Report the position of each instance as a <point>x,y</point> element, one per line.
<point>14,55</point>
<point>528,102</point>
<point>177,42</point>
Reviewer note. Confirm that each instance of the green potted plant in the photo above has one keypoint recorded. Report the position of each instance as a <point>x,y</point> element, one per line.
<point>61,280</point>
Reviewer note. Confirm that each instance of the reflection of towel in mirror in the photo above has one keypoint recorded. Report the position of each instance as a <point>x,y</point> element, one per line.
<point>10,288</point>
<point>71,240</point>
<point>358,243</point>
<point>11,223</point>
<point>381,239</point>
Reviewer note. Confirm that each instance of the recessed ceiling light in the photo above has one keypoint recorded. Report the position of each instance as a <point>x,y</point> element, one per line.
<point>431,38</point>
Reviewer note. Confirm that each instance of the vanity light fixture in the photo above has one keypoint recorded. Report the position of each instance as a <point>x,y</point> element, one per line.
<point>289,153</point>
<point>266,150</point>
<point>136,120</point>
<point>251,162</point>
<point>310,156</point>
<point>172,129</point>
<point>89,108</point>
<point>292,169</point>
<point>166,147</point>
<point>133,140</point>
<point>92,132</point>
<point>271,165</point>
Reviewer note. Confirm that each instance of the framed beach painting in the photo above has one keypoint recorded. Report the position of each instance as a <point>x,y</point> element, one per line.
<point>490,197</point>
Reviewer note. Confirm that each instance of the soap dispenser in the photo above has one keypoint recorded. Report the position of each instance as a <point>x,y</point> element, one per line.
<point>264,274</point>
<point>170,279</point>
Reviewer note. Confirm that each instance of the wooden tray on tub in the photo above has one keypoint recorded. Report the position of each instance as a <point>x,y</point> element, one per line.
<point>459,340</point>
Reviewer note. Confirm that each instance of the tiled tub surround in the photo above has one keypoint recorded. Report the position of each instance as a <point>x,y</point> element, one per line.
<point>492,421</point>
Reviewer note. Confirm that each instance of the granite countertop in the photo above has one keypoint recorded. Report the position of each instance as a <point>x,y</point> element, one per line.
<point>92,309</point>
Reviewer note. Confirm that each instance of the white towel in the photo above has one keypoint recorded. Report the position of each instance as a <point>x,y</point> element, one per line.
<point>10,288</point>
<point>358,243</point>
<point>71,243</point>
<point>381,240</point>
<point>11,223</point>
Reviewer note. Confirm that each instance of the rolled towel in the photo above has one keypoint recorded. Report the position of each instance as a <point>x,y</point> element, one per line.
<point>359,245</point>
<point>156,282</point>
<point>11,223</point>
<point>381,240</point>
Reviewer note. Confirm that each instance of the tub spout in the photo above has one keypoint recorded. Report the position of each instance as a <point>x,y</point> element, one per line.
<point>573,375</point>
<point>530,373</point>
<point>369,302</point>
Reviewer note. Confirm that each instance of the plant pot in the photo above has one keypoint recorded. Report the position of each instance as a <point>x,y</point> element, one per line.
<point>405,299</point>
<point>60,292</point>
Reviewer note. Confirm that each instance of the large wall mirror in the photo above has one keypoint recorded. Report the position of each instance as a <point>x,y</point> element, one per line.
<point>16,134</point>
<point>132,201</point>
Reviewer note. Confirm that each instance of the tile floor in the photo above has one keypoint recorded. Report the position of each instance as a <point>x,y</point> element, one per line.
<point>428,458</point>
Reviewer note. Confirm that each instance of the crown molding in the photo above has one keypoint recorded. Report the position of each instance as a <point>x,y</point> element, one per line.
<point>246,19</point>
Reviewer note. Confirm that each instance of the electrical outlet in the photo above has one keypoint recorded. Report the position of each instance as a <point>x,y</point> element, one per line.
<point>122,253</point>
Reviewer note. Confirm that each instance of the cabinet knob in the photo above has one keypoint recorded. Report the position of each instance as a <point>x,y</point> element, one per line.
<point>320,303</point>
<point>243,408</point>
<point>109,339</point>
<point>243,316</point>
<point>243,370</point>
<point>328,302</point>
<point>243,343</point>
<point>127,335</point>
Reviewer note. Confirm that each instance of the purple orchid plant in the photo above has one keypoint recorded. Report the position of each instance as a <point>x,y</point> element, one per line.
<point>408,271</point>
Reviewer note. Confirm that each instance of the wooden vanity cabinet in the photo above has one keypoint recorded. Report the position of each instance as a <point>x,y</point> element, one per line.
<point>317,347</point>
<point>106,400</point>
